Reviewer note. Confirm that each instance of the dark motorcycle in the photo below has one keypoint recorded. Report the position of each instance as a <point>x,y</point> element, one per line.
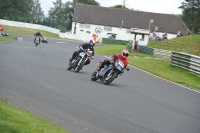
<point>109,73</point>
<point>37,40</point>
<point>79,61</point>
<point>44,40</point>
<point>4,33</point>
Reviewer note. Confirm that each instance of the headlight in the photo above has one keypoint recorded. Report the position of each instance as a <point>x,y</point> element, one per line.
<point>119,68</point>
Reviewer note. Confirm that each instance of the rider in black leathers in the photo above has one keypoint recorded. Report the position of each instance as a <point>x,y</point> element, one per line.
<point>83,47</point>
<point>38,34</point>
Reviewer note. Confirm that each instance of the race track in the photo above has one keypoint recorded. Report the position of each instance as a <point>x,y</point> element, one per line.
<point>36,79</point>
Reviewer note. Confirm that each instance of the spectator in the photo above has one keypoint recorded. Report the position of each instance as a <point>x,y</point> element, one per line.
<point>164,35</point>
<point>94,36</point>
<point>160,36</point>
<point>2,30</point>
<point>179,33</point>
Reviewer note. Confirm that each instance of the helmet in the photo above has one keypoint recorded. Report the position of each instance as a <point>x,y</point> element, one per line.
<point>124,53</point>
<point>92,43</point>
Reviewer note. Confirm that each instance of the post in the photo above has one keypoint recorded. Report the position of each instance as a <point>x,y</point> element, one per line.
<point>151,21</point>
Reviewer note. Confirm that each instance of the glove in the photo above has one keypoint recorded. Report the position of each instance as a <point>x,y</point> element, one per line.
<point>112,60</point>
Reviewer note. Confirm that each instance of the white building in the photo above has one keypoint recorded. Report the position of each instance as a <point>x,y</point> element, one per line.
<point>123,24</point>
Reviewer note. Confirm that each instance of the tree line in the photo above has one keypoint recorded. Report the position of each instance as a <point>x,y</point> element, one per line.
<point>191,14</point>
<point>61,14</point>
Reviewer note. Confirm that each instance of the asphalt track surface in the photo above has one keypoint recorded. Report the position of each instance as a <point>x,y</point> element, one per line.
<point>36,79</point>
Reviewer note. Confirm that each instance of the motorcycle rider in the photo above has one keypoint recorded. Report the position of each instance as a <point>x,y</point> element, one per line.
<point>82,48</point>
<point>122,57</point>
<point>38,34</point>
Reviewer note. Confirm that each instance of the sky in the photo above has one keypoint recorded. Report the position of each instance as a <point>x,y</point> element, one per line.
<point>156,6</point>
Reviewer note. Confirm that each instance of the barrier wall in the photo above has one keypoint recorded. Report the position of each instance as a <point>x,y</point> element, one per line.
<point>154,51</point>
<point>112,41</point>
<point>187,62</point>
<point>44,28</point>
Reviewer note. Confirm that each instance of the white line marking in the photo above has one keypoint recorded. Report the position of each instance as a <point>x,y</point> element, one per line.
<point>60,42</point>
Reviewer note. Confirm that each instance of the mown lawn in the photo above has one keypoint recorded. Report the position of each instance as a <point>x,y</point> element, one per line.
<point>14,120</point>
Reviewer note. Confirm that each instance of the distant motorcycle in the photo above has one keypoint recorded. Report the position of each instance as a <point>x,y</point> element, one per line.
<point>37,40</point>
<point>79,61</point>
<point>44,40</point>
<point>109,73</point>
<point>3,33</point>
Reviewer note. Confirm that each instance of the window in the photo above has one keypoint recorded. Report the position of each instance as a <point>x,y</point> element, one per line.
<point>81,25</point>
<point>107,28</point>
<point>84,26</point>
<point>128,30</point>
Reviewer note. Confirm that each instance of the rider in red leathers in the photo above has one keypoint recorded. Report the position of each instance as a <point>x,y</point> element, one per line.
<point>122,57</point>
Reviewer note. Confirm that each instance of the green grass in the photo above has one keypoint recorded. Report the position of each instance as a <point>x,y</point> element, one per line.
<point>187,44</point>
<point>157,66</point>
<point>13,120</point>
<point>27,31</point>
<point>7,38</point>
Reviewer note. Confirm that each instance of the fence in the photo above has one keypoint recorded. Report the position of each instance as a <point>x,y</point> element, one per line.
<point>112,41</point>
<point>154,51</point>
<point>187,62</point>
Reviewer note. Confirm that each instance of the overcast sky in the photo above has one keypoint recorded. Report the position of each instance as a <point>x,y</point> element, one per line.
<point>157,6</point>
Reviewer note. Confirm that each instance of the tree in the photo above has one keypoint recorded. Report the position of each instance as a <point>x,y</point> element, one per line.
<point>18,10</point>
<point>191,14</point>
<point>59,12</point>
<point>120,6</point>
<point>37,15</point>
<point>63,13</point>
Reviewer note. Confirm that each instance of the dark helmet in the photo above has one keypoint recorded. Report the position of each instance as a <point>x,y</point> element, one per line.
<point>92,43</point>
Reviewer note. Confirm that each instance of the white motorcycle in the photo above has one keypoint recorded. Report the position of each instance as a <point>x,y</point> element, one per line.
<point>79,61</point>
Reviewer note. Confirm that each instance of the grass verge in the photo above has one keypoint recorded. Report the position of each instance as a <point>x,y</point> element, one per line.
<point>7,38</point>
<point>13,120</point>
<point>27,31</point>
<point>187,44</point>
<point>157,66</point>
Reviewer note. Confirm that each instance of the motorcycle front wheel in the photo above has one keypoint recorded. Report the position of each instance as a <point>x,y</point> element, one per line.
<point>69,67</point>
<point>93,76</point>
<point>109,78</point>
<point>78,68</point>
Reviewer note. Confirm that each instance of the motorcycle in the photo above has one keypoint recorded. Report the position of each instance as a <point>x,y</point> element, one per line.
<point>3,33</point>
<point>44,40</point>
<point>37,40</point>
<point>109,73</point>
<point>79,61</point>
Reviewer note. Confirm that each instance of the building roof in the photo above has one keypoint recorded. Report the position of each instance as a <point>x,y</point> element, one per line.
<point>124,18</point>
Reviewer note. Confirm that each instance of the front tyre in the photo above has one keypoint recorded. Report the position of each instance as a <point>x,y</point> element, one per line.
<point>108,79</point>
<point>78,68</point>
<point>69,67</point>
<point>93,76</point>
